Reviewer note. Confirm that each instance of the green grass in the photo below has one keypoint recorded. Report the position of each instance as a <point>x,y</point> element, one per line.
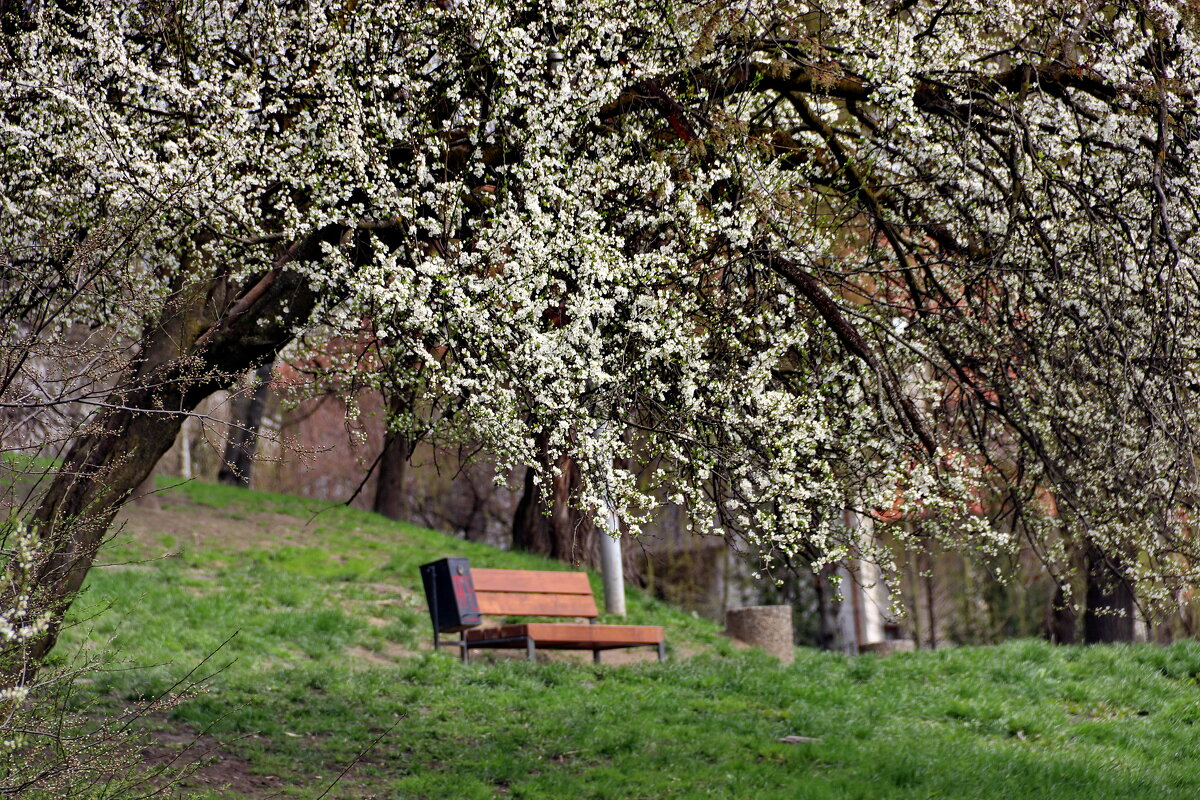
<point>297,699</point>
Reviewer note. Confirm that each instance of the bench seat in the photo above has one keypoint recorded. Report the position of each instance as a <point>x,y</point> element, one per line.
<point>567,636</point>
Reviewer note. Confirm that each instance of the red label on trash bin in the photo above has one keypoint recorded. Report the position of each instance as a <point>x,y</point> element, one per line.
<point>464,598</point>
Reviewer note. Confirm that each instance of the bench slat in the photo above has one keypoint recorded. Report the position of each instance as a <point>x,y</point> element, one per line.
<point>531,581</point>
<point>597,634</point>
<point>535,605</point>
<point>566,636</point>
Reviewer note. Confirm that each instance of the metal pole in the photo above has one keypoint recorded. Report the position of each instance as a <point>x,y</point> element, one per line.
<point>612,567</point>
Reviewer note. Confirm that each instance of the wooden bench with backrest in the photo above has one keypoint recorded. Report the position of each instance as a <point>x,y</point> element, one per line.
<point>459,596</point>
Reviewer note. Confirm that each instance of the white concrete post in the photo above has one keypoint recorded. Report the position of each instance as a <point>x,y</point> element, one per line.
<point>862,614</point>
<point>185,449</point>
<point>612,566</point>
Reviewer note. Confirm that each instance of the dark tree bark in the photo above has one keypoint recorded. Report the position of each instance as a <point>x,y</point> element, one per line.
<point>1109,613</point>
<point>930,599</point>
<point>564,534</point>
<point>828,633</point>
<point>238,463</point>
<point>1061,625</point>
<point>208,332</point>
<point>390,493</point>
<point>1062,622</point>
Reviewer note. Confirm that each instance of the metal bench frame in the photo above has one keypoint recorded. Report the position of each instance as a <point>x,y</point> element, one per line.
<point>531,646</point>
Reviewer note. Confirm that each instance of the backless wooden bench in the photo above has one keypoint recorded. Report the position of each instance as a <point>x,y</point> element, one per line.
<point>459,596</point>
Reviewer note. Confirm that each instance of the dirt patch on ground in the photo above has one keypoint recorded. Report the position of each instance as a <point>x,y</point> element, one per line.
<point>191,524</point>
<point>213,765</point>
<point>236,528</point>
<point>207,764</point>
<point>389,654</point>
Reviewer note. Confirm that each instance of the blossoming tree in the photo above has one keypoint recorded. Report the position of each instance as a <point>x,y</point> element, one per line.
<point>888,255</point>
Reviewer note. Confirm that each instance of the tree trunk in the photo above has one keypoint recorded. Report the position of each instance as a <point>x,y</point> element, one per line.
<point>208,332</point>
<point>828,631</point>
<point>390,493</point>
<point>1062,621</point>
<point>565,534</point>
<point>1109,613</point>
<point>238,463</point>
<point>930,600</point>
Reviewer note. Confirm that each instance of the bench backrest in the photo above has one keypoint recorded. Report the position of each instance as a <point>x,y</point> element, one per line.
<point>520,592</point>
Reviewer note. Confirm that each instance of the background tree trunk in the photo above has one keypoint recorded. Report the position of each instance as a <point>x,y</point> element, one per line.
<point>390,494</point>
<point>927,585</point>
<point>828,631</point>
<point>1062,621</point>
<point>565,534</point>
<point>1109,613</point>
<point>238,463</point>
<point>1061,625</point>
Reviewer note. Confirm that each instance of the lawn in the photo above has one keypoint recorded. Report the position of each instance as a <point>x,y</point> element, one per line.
<point>312,621</point>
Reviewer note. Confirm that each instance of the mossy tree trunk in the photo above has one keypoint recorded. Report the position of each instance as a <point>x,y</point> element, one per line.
<point>207,332</point>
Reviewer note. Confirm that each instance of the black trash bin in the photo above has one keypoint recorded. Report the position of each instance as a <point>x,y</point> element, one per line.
<point>450,593</point>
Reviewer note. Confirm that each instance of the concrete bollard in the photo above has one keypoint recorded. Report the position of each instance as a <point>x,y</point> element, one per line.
<point>766,627</point>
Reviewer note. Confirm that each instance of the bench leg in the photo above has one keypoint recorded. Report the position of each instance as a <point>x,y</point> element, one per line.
<point>662,651</point>
<point>530,648</point>
<point>466,657</point>
<point>596,656</point>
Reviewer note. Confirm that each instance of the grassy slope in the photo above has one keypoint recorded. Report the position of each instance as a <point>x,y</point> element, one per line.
<point>328,655</point>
